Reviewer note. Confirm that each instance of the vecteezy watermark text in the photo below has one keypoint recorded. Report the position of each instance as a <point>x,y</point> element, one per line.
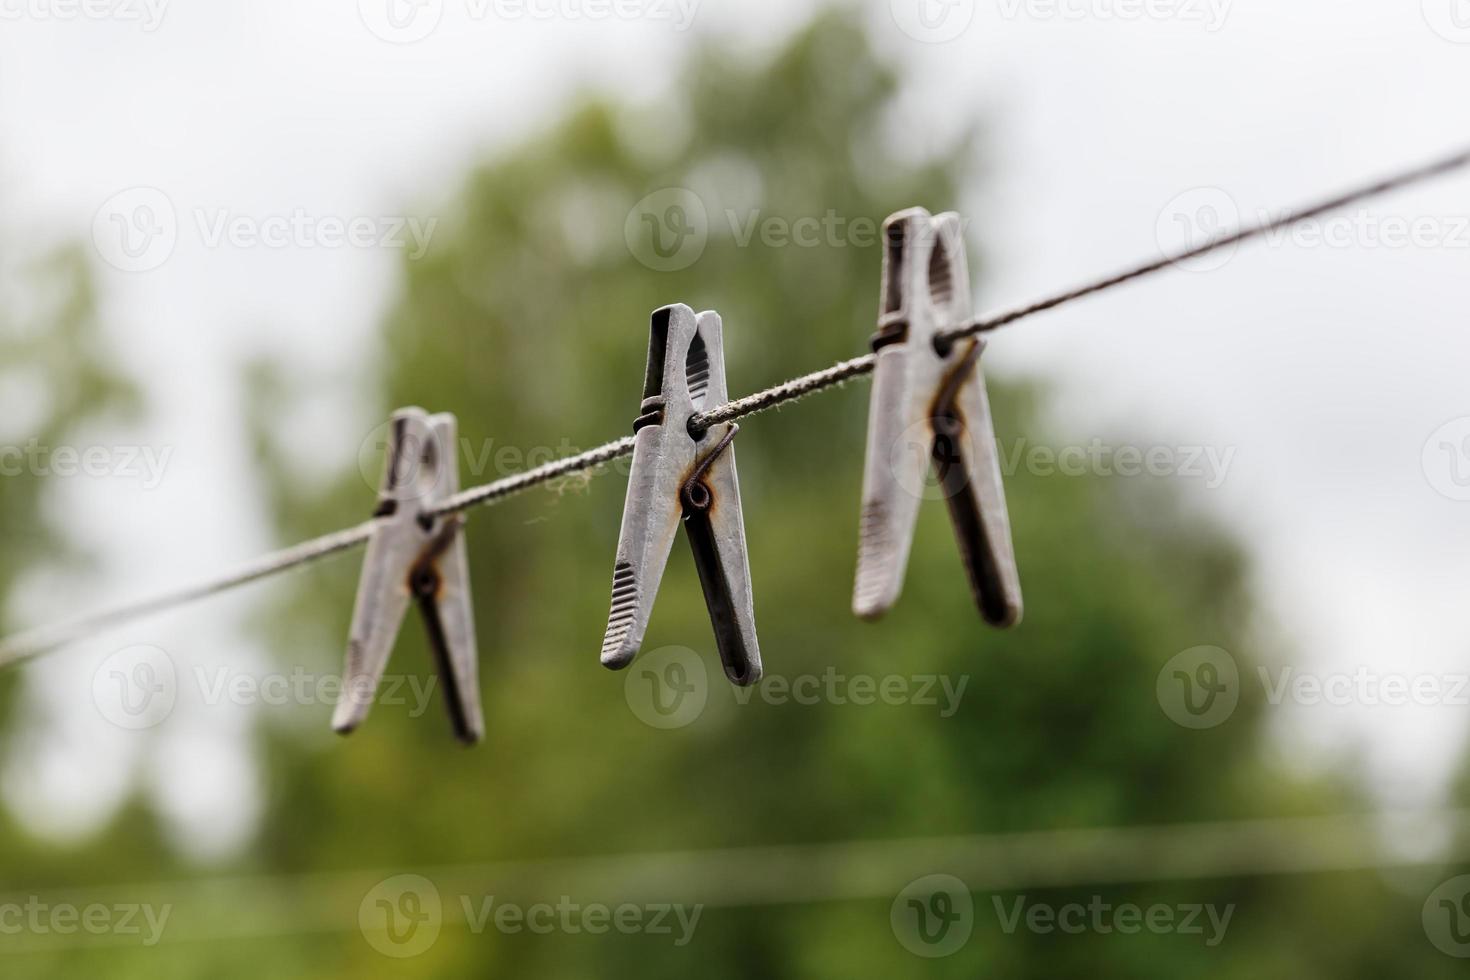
<point>571,918</point>
<point>1201,688</point>
<point>1206,920</point>
<point>1209,13</point>
<point>669,229</point>
<point>143,463</point>
<point>298,686</point>
<point>147,14</point>
<point>1203,216</point>
<point>669,688</point>
<point>1364,687</point>
<point>302,229</point>
<point>137,230</point>
<point>1208,463</point>
<point>402,916</point>
<point>831,686</point>
<point>35,917</point>
<point>482,459</point>
<point>138,687</point>
<point>934,916</point>
<point>408,21</point>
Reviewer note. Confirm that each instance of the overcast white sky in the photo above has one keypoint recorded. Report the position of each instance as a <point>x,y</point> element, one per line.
<point>1324,368</point>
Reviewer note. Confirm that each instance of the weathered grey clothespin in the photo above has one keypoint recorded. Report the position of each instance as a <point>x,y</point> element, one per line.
<point>929,407</point>
<point>679,476</point>
<point>414,554</point>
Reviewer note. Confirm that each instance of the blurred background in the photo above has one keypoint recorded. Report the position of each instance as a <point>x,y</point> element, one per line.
<point>233,238</point>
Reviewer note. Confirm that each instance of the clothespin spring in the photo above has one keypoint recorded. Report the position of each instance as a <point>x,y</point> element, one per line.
<point>694,494</point>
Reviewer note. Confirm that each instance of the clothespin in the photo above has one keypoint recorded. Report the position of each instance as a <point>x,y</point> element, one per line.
<point>415,554</point>
<point>929,407</point>
<point>679,476</point>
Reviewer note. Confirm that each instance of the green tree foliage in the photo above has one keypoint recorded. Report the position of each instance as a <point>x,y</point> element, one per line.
<point>56,359</point>
<point>60,375</point>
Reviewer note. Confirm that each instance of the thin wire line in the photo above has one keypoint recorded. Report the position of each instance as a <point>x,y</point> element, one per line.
<point>44,638</point>
<point>33,642</point>
<point>510,486</point>
<point>818,380</point>
<point>1115,859</point>
<point>786,391</point>
<point>1356,196</point>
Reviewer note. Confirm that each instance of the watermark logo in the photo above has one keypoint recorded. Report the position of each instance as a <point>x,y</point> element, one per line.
<point>416,471</point>
<point>933,916</point>
<point>1195,219</point>
<point>1199,688</point>
<point>401,21</point>
<point>135,230</point>
<point>921,458</point>
<point>932,21</point>
<point>1447,917</point>
<point>1450,19</point>
<point>401,916</point>
<point>136,687</point>
<point>668,229</point>
<point>1446,459</point>
<point>667,688</point>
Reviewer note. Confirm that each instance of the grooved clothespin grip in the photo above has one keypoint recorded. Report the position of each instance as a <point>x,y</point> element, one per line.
<point>929,408</point>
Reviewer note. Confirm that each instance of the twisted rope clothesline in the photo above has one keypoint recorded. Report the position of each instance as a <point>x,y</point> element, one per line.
<point>36,641</point>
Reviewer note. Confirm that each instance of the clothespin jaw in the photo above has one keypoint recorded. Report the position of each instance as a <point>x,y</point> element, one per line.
<point>679,476</point>
<point>929,408</point>
<point>414,554</point>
